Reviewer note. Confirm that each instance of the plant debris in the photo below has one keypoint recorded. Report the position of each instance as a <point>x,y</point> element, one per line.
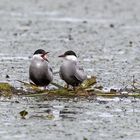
<point>23,114</point>
<point>86,90</point>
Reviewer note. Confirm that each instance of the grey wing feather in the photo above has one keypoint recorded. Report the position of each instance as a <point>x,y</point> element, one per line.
<point>79,74</point>
<point>60,73</point>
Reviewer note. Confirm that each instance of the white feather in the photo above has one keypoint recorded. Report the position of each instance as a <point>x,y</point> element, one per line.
<point>37,56</point>
<point>71,57</point>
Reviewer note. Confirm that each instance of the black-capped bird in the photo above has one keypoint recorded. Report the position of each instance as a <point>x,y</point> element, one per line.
<point>70,71</point>
<point>40,72</point>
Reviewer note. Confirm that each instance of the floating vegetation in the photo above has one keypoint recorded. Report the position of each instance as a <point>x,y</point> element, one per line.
<point>6,90</point>
<point>23,114</point>
<point>86,90</point>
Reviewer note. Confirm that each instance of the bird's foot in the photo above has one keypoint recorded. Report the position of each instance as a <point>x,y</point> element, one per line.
<point>45,88</point>
<point>67,87</point>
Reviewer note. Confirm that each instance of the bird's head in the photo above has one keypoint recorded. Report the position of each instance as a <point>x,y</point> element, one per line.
<point>69,55</point>
<point>41,54</point>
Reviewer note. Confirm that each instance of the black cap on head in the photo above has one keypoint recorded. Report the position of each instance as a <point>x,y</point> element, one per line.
<point>70,53</point>
<point>39,51</point>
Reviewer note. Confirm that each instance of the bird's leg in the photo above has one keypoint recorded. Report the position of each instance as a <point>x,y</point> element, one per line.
<point>74,88</point>
<point>67,86</point>
<point>45,88</point>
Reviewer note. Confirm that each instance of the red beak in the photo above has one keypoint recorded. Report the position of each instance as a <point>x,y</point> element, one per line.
<point>43,56</point>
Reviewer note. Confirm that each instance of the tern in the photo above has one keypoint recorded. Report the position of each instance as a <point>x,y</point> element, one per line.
<point>70,71</point>
<point>40,72</point>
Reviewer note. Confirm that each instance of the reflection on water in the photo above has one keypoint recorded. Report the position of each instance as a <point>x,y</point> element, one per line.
<point>67,120</point>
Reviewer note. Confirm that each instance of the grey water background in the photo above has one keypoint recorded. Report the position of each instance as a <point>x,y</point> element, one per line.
<point>105,35</point>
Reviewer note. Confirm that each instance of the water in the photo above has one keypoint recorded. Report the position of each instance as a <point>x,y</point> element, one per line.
<point>105,36</point>
<point>70,120</point>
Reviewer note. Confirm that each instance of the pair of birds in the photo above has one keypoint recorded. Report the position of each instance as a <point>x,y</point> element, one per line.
<point>41,74</point>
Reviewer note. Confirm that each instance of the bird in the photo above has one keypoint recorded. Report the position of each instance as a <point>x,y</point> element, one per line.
<point>70,71</point>
<point>40,72</point>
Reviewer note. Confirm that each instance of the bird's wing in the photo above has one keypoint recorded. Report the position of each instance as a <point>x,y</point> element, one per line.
<point>60,73</point>
<point>79,74</point>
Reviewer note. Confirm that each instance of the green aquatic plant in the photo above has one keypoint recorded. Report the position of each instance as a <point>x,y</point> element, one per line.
<point>6,89</point>
<point>88,83</point>
<point>23,114</point>
<point>86,90</point>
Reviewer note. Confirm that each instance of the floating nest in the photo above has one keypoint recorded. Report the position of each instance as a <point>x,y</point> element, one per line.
<point>86,90</point>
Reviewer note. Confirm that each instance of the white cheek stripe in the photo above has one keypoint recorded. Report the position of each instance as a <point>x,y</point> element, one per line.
<point>71,57</point>
<point>37,56</point>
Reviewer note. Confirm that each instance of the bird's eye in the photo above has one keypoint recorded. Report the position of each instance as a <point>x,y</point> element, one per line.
<point>42,55</point>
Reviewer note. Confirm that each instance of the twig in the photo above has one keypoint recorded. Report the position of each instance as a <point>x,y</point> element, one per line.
<point>57,85</point>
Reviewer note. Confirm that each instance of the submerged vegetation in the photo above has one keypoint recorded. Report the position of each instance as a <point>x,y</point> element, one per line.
<point>86,90</point>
